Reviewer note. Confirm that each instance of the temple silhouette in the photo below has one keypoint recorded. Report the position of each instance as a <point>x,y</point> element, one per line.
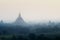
<point>19,20</point>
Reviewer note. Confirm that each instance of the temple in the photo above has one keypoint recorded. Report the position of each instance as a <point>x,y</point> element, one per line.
<point>19,20</point>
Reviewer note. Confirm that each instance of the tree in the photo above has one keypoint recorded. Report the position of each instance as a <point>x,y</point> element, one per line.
<point>14,37</point>
<point>32,36</point>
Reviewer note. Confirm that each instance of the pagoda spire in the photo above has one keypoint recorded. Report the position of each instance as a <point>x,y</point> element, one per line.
<point>19,14</point>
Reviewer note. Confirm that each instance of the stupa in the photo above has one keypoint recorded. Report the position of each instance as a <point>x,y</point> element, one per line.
<point>19,20</point>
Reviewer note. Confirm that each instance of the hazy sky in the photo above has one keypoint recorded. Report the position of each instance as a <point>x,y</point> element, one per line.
<point>31,10</point>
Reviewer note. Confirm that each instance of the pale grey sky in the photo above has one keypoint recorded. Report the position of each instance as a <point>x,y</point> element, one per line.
<point>31,10</point>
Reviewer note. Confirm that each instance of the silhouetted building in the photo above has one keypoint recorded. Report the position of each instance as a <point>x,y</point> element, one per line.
<point>19,20</point>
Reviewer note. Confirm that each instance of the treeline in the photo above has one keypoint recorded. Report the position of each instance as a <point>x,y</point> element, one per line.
<point>7,29</point>
<point>31,36</point>
<point>29,32</point>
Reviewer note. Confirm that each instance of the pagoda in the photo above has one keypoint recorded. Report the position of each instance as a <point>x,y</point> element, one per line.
<point>19,20</point>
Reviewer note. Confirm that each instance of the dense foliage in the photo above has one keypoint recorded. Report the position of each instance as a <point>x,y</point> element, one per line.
<point>29,32</point>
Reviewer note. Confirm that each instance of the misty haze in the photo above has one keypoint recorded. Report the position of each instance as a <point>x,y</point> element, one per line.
<point>29,19</point>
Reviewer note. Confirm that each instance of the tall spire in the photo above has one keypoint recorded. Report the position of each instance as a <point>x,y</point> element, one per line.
<point>19,14</point>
